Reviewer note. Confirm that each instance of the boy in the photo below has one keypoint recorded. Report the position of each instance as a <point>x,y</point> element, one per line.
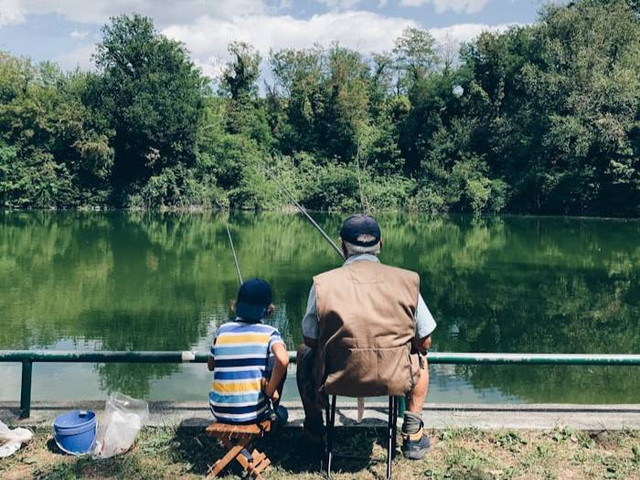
<point>249,360</point>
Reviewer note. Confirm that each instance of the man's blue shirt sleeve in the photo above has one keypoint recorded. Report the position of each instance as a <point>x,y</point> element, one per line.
<point>310,327</point>
<point>425,324</point>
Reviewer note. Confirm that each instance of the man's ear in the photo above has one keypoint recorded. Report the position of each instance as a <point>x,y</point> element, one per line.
<point>233,306</point>
<point>381,243</point>
<point>271,309</point>
<point>344,248</point>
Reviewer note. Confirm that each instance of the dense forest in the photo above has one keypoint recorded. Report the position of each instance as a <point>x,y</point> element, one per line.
<point>540,119</point>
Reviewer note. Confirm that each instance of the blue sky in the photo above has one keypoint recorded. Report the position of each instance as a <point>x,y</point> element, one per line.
<point>66,30</point>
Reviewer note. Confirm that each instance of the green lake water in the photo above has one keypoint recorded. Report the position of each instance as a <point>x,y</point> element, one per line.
<point>164,281</point>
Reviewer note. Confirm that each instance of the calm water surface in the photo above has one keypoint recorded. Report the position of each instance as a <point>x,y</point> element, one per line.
<point>128,281</point>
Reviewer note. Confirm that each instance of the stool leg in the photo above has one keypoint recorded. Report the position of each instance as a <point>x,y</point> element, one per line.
<point>390,434</point>
<point>395,426</point>
<point>331,418</point>
<point>224,461</point>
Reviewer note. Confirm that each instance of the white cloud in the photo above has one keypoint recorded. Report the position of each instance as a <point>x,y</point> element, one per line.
<point>340,4</point>
<point>465,32</point>
<point>11,12</point>
<point>208,37</point>
<point>208,26</point>
<point>79,34</point>
<point>441,6</point>
<point>78,58</point>
<point>164,12</point>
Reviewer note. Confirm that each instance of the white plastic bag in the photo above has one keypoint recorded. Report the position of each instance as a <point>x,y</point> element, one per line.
<point>11,440</point>
<point>123,418</point>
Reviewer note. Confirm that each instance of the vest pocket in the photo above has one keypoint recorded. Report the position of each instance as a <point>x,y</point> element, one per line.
<point>369,372</point>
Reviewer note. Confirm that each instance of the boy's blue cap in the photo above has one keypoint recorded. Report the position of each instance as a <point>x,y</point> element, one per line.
<point>254,297</point>
<point>357,225</point>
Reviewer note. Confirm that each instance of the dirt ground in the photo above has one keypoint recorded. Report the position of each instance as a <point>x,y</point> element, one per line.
<point>467,454</point>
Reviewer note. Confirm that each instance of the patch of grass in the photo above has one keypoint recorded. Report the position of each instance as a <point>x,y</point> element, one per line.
<point>510,440</point>
<point>457,454</point>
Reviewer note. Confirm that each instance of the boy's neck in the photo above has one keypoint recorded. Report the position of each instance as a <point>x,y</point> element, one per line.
<point>242,320</point>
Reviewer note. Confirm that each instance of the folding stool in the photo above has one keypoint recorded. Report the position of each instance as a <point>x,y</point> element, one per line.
<point>236,438</point>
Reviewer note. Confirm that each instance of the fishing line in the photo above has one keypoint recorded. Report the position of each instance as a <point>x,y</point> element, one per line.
<point>235,257</point>
<point>233,248</point>
<point>304,212</point>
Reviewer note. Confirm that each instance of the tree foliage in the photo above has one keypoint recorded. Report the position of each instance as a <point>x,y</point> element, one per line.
<point>151,95</point>
<point>547,122</point>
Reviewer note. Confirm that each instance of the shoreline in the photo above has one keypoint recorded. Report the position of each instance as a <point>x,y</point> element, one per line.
<point>292,210</point>
<point>436,416</point>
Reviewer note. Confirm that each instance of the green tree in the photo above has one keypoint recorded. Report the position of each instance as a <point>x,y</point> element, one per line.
<point>415,57</point>
<point>54,154</point>
<point>245,111</point>
<point>152,96</point>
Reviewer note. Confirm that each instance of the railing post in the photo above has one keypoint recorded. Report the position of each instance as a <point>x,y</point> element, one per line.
<point>25,389</point>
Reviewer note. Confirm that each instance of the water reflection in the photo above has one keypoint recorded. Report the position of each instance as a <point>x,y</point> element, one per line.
<point>163,281</point>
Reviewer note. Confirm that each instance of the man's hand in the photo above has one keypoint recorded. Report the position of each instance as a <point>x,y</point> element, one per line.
<point>422,344</point>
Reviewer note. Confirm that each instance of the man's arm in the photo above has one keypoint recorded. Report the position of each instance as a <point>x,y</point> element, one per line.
<point>310,330</point>
<point>425,325</point>
<point>279,370</point>
<point>210,363</point>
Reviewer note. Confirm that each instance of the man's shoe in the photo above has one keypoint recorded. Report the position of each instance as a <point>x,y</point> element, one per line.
<point>415,445</point>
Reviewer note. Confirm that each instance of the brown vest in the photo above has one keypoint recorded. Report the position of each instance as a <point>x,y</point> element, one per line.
<point>366,319</point>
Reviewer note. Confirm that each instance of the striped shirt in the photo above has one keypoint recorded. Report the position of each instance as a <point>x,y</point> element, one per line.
<point>242,352</point>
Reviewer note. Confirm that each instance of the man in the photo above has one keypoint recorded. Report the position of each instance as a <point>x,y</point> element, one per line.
<point>366,333</point>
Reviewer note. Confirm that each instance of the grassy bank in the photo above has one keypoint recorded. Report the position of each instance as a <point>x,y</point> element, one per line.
<point>456,454</point>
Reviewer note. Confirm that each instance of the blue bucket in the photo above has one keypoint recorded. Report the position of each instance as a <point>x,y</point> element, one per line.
<point>75,431</point>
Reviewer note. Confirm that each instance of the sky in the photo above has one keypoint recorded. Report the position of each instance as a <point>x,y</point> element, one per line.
<point>66,31</point>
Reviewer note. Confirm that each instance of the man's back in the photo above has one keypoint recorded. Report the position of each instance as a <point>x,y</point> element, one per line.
<point>366,324</point>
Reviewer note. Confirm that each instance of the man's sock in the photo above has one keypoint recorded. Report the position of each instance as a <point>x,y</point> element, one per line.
<point>412,423</point>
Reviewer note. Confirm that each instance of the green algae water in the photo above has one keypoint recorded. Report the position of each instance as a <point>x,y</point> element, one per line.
<point>164,281</point>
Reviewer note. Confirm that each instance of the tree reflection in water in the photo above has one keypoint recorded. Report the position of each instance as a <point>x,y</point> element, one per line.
<point>162,281</point>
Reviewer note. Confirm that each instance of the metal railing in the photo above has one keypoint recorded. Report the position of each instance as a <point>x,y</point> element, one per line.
<point>28,357</point>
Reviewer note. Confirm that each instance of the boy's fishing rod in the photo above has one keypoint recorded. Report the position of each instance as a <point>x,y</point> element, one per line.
<point>233,249</point>
<point>235,257</point>
<point>304,212</point>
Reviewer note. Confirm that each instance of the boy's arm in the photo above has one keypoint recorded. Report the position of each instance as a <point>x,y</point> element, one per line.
<point>279,369</point>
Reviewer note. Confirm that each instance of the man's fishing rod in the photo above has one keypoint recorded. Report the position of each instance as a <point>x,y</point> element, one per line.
<point>304,212</point>
<point>328,239</point>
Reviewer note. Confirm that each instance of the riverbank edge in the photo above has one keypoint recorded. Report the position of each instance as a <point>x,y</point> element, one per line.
<point>436,416</point>
<point>292,210</point>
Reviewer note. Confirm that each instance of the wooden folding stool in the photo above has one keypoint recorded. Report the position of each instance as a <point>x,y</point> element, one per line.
<point>236,438</point>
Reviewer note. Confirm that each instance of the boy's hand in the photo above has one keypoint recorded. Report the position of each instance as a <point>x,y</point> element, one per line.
<point>274,395</point>
<point>275,398</point>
